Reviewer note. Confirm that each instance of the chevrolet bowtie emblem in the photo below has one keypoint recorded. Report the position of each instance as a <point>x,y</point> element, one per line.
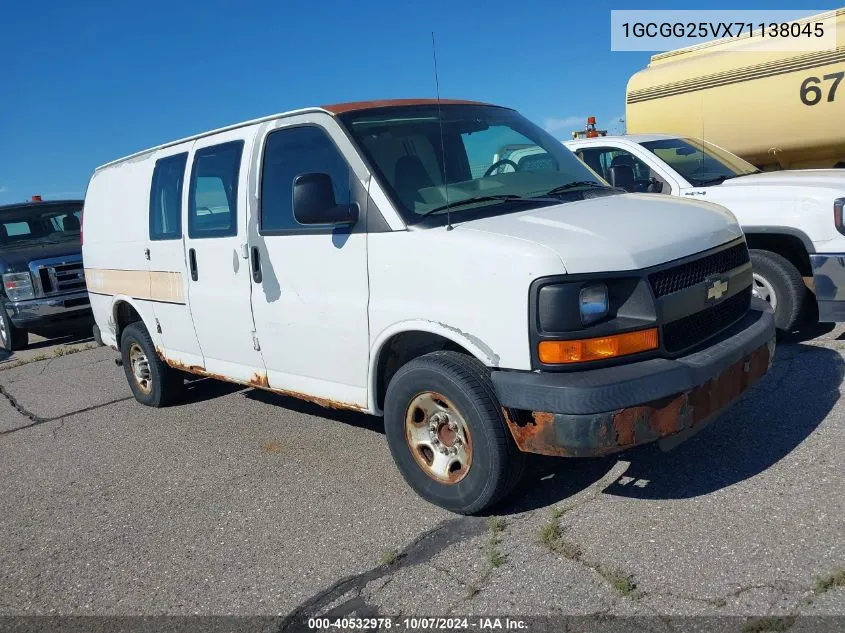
<point>718,288</point>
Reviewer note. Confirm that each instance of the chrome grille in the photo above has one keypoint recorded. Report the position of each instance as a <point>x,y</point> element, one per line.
<point>58,275</point>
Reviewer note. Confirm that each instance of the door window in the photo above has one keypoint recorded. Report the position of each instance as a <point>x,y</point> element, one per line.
<point>290,153</point>
<point>166,198</point>
<point>601,159</point>
<point>213,206</point>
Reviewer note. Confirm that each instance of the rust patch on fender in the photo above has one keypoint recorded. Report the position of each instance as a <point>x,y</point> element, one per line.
<point>175,364</point>
<point>534,433</point>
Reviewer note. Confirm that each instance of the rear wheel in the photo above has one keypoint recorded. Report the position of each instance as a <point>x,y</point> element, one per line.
<point>153,383</point>
<point>447,433</point>
<point>11,338</point>
<point>779,283</point>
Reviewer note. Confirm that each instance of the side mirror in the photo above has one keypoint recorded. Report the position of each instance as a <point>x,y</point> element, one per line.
<point>314,202</point>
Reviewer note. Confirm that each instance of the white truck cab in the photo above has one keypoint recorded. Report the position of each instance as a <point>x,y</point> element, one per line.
<point>380,257</point>
<point>792,219</point>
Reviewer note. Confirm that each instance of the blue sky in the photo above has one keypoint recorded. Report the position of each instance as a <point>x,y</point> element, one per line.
<point>84,83</point>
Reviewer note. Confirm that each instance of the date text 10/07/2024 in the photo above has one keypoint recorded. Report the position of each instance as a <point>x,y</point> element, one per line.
<point>419,624</point>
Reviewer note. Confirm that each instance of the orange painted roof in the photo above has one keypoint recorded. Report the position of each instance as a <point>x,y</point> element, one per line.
<point>339,108</point>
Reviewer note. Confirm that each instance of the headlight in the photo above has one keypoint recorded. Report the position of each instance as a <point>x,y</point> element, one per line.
<point>18,286</point>
<point>593,303</point>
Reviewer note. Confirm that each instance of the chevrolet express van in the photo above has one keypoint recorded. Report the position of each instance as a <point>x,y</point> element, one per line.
<point>376,256</point>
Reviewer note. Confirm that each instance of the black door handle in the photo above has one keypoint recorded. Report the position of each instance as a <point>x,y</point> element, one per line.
<point>256,265</point>
<point>192,262</point>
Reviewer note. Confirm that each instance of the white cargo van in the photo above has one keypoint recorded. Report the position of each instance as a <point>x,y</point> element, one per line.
<point>376,256</point>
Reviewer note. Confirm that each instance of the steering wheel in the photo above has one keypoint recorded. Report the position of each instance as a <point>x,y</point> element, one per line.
<point>499,163</point>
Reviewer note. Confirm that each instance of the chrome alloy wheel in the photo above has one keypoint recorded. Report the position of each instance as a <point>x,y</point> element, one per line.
<point>438,437</point>
<point>764,290</point>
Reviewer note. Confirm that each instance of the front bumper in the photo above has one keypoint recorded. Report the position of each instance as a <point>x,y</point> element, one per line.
<point>829,285</point>
<point>601,411</point>
<point>48,310</point>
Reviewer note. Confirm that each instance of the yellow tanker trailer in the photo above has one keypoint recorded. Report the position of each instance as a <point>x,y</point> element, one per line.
<point>778,110</point>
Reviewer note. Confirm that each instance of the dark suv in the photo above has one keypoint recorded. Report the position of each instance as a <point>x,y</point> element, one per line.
<point>43,282</point>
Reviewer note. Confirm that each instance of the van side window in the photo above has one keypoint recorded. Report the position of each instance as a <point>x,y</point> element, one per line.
<point>166,198</point>
<point>288,154</point>
<point>213,200</point>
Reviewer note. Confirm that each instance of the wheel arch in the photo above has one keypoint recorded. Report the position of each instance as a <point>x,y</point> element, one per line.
<point>791,243</point>
<point>402,342</point>
<point>126,310</point>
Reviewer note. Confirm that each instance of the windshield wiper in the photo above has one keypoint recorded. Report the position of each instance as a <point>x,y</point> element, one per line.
<point>505,197</point>
<point>577,183</point>
<point>718,180</point>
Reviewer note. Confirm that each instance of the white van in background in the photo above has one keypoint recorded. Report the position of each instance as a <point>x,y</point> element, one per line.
<point>318,253</point>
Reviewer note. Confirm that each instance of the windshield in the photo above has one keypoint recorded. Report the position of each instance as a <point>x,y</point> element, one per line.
<point>699,162</point>
<point>50,224</point>
<point>495,162</point>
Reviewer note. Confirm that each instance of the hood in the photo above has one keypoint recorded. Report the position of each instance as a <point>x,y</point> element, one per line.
<point>617,233</point>
<point>16,258</point>
<point>828,178</point>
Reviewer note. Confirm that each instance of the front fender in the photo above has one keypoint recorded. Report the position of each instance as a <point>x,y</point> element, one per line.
<point>475,346</point>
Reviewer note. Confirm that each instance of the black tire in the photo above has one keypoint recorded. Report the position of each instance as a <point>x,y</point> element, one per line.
<point>787,284</point>
<point>97,336</point>
<point>163,385</point>
<point>496,465</point>
<point>11,338</point>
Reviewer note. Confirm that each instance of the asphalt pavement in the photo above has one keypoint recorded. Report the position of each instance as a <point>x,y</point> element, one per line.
<point>243,502</point>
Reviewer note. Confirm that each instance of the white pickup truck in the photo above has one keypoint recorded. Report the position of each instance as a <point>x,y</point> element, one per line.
<point>792,219</point>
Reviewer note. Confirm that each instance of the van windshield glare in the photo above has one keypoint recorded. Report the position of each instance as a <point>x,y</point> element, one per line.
<point>490,156</point>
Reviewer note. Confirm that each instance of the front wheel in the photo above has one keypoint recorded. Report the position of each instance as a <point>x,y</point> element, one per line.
<point>779,283</point>
<point>447,433</point>
<point>11,338</point>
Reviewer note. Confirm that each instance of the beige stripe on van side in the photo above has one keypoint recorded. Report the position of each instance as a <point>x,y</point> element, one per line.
<point>140,284</point>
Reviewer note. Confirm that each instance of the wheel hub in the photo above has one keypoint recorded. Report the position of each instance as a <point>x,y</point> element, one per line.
<point>140,365</point>
<point>438,437</point>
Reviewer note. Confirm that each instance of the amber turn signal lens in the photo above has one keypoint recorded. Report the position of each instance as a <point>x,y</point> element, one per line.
<point>578,351</point>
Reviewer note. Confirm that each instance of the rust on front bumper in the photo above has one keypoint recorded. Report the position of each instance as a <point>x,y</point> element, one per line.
<point>602,433</point>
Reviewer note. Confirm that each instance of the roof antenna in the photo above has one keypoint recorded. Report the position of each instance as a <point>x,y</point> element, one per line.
<point>442,142</point>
